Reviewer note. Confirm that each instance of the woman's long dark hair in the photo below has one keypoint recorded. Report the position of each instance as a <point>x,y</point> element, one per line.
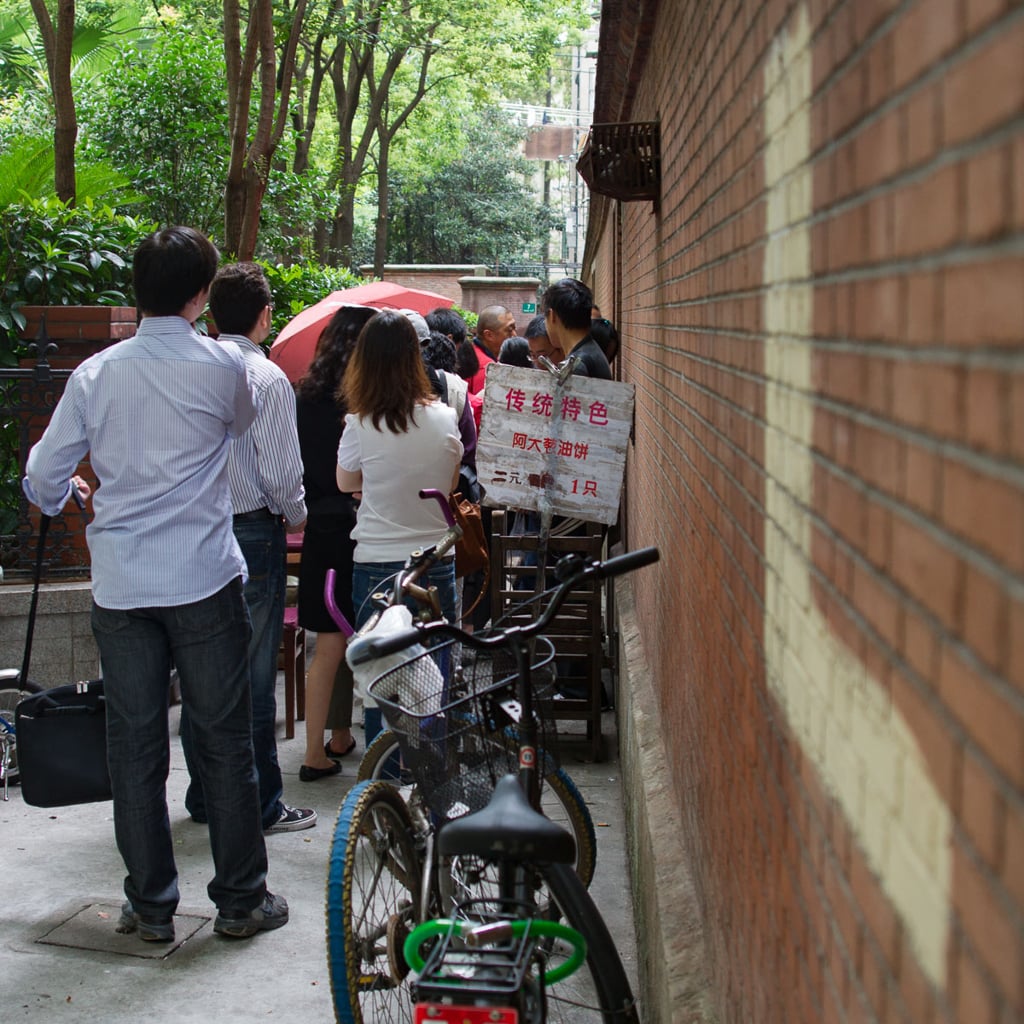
<point>333,351</point>
<point>385,379</point>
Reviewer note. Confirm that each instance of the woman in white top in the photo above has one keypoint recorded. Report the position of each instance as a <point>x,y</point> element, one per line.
<point>398,439</point>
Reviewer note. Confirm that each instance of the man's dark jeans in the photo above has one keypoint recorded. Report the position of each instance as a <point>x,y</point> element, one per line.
<point>207,641</point>
<point>264,546</point>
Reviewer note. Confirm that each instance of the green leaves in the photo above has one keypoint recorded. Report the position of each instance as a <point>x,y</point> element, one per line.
<point>52,254</point>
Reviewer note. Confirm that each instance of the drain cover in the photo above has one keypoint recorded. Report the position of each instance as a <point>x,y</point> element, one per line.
<point>92,927</point>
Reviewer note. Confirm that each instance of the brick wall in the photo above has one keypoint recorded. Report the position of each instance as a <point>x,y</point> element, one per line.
<point>824,319</point>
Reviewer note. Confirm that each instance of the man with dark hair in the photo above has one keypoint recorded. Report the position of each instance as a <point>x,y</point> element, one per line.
<point>493,326</point>
<point>157,414</point>
<point>568,304</point>
<point>265,472</point>
<point>536,335</point>
<point>448,322</point>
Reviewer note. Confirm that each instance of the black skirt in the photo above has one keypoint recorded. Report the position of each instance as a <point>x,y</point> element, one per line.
<point>326,544</point>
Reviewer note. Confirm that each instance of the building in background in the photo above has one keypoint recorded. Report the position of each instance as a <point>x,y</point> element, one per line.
<point>556,133</point>
<point>821,304</point>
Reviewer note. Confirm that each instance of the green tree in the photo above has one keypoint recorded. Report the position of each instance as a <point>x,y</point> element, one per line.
<point>252,152</point>
<point>161,114</point>
<point>384,58</point>
<point>474,209</point>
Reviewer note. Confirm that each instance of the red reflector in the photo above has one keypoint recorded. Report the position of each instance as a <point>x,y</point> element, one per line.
<point>438,1013</point>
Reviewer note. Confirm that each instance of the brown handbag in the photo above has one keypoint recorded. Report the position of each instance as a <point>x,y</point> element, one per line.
<point>471,548</point>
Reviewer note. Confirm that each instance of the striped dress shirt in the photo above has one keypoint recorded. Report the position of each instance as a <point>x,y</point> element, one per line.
<point>157,413</point>
<point>265,467</point>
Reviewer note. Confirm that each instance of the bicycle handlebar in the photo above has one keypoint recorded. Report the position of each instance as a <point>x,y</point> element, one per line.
<point>370,648</point>
<point>442,501</point>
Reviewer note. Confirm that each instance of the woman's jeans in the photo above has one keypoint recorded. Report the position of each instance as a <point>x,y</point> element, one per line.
<point>367,579</point>
<point>208,642</point>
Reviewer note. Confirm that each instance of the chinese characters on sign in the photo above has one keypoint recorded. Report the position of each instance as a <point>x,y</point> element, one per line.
<point>566,445</point>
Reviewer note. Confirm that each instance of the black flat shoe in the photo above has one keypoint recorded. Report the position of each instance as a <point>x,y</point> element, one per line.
<point>307,774</point>
<point>334,755</point>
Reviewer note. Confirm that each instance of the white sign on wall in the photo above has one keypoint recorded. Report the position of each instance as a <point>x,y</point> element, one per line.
<point>561,444</point>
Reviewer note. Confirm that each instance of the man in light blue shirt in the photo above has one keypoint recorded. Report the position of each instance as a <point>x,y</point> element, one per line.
<point>265,472</point>
<point>157,414</point>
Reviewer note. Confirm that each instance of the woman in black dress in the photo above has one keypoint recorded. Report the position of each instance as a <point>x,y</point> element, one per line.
<point>326,544</point>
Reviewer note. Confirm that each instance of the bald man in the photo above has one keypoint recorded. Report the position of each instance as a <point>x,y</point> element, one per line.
<point>493,325</point>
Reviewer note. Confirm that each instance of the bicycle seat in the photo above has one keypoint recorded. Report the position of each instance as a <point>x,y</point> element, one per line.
<point>508,828</point>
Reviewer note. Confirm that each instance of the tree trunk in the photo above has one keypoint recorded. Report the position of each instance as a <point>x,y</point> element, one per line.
<point>57,47</point>
<point>380,234</point>
<point>249,169</point>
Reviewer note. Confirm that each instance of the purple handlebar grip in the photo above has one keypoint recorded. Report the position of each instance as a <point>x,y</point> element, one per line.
<point>332,607</point>
<point>442,500</point>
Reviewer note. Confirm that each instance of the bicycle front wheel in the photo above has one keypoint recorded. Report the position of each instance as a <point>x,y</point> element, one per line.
<point>561,800</point>
<point>373,890</point>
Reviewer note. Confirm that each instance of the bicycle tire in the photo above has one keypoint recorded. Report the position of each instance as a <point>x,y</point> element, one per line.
<point>602,984</point>
<point>561,799</point>
<point>373,887</point>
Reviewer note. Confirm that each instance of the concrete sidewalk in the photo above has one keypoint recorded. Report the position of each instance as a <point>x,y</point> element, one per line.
<point>61,960</point>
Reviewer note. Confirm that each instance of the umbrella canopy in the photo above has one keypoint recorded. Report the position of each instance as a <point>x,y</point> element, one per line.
<point>293,350</point>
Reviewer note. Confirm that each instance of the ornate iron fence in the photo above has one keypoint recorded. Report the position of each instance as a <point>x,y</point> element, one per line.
<point>28,395</point>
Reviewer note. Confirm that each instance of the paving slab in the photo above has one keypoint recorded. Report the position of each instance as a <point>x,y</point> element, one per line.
<point>62,960</point>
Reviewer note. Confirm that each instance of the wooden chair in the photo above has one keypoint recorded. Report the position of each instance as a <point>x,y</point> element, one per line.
<point>577,631</point>
<point>294,646</point>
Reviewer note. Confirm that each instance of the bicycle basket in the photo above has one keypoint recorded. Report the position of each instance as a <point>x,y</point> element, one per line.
<point>459,736</point>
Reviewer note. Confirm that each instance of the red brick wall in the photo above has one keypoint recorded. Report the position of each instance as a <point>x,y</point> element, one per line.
<point>824,320</point>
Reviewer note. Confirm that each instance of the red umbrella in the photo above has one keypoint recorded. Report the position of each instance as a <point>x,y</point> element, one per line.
<point>293,350</point>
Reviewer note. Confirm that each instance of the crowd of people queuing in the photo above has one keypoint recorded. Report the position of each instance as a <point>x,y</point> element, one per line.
<point>206,457</point>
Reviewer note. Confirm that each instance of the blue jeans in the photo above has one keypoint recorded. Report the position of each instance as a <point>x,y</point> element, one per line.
<point>264,547</point>
<point>208,642</point>
<point>368,578</point>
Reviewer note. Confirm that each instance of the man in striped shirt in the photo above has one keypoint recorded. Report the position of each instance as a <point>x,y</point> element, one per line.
<point>157,413</point>
<point>265,470</point>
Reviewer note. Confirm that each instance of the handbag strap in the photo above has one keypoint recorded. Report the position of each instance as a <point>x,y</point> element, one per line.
<point>44,525</point>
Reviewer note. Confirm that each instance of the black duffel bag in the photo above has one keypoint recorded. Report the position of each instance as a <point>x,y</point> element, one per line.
<point>62,745</point>
<point>61,733</point>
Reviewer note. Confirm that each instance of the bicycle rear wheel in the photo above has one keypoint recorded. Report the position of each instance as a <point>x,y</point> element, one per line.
<point>373,893</point>
<point>600,989</point>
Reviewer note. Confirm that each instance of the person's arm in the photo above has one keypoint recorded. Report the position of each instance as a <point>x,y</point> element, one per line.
<point>278,458</point>
<point>467,431</point>
<point>54,457</point>
<point>349,475</point>
<point>244,404</point>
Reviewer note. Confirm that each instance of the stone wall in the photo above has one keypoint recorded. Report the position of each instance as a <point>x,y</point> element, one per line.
<point>63,649</point>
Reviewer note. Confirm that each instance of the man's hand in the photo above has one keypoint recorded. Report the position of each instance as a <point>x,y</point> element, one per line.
<point>80,490</point>
<point>296,528</point>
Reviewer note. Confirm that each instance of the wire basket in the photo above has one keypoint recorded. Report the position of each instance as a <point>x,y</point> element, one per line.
<point>459,732</point>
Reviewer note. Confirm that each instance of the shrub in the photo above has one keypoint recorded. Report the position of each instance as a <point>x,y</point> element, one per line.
<point>53,254</point>
<point>302,284</point>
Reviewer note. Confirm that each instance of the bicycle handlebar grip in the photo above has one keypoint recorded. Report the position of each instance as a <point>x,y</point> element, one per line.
<point>628,562</point>
<point>370,648</point>
<point>442,500</point>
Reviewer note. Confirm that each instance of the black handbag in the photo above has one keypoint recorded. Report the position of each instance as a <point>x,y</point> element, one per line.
<point>61,733</point>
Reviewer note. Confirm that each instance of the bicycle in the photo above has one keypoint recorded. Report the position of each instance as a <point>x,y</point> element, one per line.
<point>503,946</point>
<point>11,692</point>
<point>561,799</point>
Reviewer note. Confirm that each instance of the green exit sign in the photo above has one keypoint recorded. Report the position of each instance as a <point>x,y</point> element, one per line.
<point>529,307</point>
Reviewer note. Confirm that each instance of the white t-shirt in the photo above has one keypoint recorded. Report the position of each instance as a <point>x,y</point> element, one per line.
<point>393,520</point>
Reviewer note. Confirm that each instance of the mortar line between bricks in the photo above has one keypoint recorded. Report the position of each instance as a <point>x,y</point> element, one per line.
<point>937,70</point>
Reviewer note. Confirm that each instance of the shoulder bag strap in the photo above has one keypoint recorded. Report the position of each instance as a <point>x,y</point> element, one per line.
<point>44,525</point>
